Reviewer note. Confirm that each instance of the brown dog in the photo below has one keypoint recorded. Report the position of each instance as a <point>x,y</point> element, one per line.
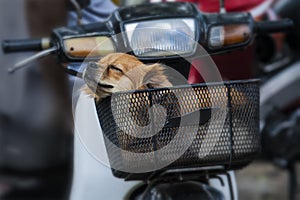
<point>122,72</point>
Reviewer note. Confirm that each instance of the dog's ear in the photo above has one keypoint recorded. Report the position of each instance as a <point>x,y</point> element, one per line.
<point>155,77</point>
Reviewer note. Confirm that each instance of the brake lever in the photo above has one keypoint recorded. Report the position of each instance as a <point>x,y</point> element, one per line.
<point>39,55</point>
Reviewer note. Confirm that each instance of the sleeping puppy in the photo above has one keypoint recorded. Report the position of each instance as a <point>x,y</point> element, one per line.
<point>121,72</point>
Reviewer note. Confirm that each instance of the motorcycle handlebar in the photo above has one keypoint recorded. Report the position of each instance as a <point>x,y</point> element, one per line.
<point>273,26</point>
<point>9,46</point>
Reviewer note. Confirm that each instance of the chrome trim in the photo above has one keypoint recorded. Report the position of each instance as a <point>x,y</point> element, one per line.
<point>280,84</point>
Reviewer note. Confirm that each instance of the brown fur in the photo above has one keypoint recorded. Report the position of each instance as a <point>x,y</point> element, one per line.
<point>122,72</point>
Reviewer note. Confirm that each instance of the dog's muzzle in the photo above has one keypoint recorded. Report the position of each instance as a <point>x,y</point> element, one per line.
<point>91,76</point>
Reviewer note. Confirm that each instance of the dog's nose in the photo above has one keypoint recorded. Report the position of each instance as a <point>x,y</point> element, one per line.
<point>92,65</point>
<point>91,72</point>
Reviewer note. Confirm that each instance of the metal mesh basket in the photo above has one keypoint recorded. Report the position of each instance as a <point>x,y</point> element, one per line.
<point>207,125</point>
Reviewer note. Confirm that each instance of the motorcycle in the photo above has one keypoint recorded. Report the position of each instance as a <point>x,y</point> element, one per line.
<point>207,129</point>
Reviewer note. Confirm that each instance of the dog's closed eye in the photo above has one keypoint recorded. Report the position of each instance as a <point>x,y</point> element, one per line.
<point>112,67</point>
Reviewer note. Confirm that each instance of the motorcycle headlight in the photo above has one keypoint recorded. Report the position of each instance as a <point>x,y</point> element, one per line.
<point>161,38</point>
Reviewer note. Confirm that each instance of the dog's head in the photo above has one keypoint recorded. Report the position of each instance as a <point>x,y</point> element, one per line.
<point>121,72</point>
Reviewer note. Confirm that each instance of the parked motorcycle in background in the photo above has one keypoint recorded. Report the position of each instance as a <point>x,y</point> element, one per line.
<point>229,147</point>
<point>280,74</point>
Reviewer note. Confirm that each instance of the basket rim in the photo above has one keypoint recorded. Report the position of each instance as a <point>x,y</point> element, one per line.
<point>225,83</point>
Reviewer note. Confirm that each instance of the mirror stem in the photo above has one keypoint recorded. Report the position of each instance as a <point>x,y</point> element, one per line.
<point>222,6</point>
<point>78,12</point>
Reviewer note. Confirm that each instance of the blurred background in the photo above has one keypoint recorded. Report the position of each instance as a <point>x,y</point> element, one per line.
<point>35,104</point>
<point>35,112</point>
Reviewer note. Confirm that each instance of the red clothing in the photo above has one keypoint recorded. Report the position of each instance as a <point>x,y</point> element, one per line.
<point>230,5</point>
<point>235,65</point>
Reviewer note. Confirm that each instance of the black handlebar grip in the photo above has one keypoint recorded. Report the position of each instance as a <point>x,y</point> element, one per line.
<point>9,46</point>
<point>274,26</point>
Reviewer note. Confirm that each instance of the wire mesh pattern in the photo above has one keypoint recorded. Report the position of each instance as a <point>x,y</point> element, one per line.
<point>223,117</point>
